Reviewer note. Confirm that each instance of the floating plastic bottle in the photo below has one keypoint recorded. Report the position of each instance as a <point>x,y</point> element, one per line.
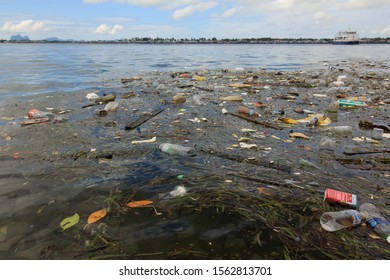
<point>377,133</point>
<point>37,114</point>
<point>111,106</point>
<point>351,103</point>
<point>327,143</point>
<point>247,111</point>
<point>177,150</point>
<point>376,220</point>
<point>342,129</point>
<point>333,107</point>
<point>333,221</point>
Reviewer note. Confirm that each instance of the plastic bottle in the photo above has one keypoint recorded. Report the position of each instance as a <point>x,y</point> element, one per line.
<point>36,114</point>
<point>342,129</point>
<point>247,111</point>
<point>333,221</point>
<point>376,220</point>
<point>327,143</point>
<point>333,107</point>
<point>177,150</point>
<point>351,103</point>
<point>111,106</point>
<point>312,122</point>
<point>377,133</point>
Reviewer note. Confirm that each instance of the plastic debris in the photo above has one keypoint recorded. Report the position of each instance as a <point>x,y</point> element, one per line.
<point>339,197</point>
<point>178,191</point>
<point>134,142</point>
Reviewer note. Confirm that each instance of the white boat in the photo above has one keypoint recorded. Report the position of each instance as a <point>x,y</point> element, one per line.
<point>347,37</point>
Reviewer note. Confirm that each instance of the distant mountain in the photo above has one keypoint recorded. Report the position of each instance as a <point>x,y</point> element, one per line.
<point>19,38</point>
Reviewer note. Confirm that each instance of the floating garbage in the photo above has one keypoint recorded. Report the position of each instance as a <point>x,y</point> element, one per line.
<point>339,197</point>
<point>144,141</point>
<point>351,103</point>
<point>178,191</point>
<point>177,150</point>
<point>37,114</point>
<point>111,106</point>
<point>333,221</point>
<point>92,96</point>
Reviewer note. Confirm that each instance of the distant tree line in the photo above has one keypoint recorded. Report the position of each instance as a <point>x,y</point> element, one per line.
<point>202,40</point>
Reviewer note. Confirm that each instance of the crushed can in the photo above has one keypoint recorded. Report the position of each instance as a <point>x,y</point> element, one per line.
<point>339,197</point>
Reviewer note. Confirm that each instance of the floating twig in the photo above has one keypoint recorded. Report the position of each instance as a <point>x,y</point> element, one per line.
<point>142,119</point>
<point>256,121</point>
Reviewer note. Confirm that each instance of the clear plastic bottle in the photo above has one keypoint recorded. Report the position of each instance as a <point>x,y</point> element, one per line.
<point>376,220</point>
<point>37,114</point>
<point>327,143</point>
<point>377,133</point>
<point>342,129</point>
<point>177,150</point>
<point>333,221</point>
<point>248,112</point>
<point>333,107</point>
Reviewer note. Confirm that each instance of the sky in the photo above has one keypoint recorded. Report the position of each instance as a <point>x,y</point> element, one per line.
<point>118,19</point>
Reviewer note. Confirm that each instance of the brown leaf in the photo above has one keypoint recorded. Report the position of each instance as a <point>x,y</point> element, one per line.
<point>299,135</point>
<point>96,216</point>
<point>139,203</point>
<point>288,120</point>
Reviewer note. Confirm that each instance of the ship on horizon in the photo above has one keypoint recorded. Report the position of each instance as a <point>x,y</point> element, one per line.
<point>347,37</point>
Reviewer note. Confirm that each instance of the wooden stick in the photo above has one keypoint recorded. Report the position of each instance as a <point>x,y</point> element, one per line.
<point>256,121</point>
<point>143,119</point>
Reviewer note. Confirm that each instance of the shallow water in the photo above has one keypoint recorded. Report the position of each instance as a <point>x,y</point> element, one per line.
<point>233,209</point>
<point>29,69</point>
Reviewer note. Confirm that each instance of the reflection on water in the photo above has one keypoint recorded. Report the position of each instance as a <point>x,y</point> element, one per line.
<point>29,69</point>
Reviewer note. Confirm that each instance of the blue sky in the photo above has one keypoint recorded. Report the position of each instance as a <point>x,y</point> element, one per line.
<point>116,19</point>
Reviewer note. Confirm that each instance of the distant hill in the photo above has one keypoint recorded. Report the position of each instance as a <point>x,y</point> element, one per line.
<point>19,38</point>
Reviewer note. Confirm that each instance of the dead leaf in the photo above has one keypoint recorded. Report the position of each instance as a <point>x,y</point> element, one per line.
<point>374,236</point>
<point>96,216</point>
<point>240,86</point>
<point>232,98</point>
<point>288,120</point>
<point>299,135</point>
<point>139,203</point>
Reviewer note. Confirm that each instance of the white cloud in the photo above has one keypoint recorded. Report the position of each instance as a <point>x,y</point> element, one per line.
<point>163,4</point>
<point>200,7</point>
<point>229,13</point>
<point>322,16</point>
<point>105,29</point>
<point>27,25</point>
<point>362,4</point>
<point>386,30</point>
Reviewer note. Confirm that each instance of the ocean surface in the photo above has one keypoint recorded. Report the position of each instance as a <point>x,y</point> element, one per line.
<point>29,69</point>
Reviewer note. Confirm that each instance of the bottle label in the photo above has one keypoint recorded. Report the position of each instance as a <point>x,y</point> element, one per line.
<point>168,149</point>
<point>376,221</point>
<point>357,218</point>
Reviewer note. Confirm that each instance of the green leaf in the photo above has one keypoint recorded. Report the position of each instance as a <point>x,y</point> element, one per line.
<point>69,221</point>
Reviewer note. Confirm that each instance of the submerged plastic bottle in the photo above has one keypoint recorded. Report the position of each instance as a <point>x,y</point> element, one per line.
<point>342,129</point>
<point>376,220</point>
<point>333,221</point>
<point>37,114</point>
<point>248,112</point>
<point>177,150</point>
